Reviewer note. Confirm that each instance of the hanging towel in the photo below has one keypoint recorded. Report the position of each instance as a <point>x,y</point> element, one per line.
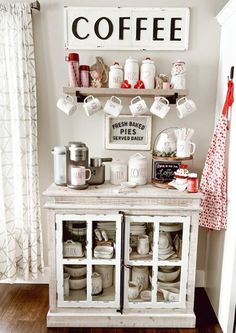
<point>213,183</point>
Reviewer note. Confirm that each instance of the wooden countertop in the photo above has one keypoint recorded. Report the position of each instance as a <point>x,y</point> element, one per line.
<point>108,190</point>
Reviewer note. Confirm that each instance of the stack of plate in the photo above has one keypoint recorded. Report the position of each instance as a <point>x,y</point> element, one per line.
<point>109,227</point>
<point>136,230</point>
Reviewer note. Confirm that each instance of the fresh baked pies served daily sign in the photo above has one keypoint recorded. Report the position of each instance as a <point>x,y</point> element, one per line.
<point>110,28</point>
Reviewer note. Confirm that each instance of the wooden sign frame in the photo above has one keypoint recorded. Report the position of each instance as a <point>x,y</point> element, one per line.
<point>111,28</point>
<point>128,133</point>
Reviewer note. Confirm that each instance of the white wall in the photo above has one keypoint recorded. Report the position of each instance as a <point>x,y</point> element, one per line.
<point>57,129</point>
<point>221,253</point>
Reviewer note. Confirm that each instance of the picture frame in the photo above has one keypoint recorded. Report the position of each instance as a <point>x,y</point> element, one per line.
<point>128,133</point>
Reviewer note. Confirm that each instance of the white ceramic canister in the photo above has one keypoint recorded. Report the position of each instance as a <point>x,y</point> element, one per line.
<point>131,71</point>
<point>96,283</point>
<point>178,72</point>
<point>118,172</point>
<point>116,76</point>
<point>148,72</point>
<point>137,169</point>
<point>106,272</point>
<point>141,275</point>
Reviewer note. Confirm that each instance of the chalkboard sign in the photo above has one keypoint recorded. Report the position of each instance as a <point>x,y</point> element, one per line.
<point>164,171</point>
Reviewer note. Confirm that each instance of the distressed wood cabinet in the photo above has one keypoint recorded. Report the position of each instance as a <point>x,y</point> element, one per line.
<point>161,214</point>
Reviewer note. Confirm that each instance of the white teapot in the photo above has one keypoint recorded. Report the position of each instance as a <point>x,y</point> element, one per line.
<point>166,143</point>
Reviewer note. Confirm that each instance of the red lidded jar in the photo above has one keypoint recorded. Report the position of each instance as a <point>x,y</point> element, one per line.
<point>84,76</point>
<point>192,183</point>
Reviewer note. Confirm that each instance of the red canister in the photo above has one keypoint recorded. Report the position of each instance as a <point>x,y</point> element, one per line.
<point>84,75</point>
<point>192,183</point>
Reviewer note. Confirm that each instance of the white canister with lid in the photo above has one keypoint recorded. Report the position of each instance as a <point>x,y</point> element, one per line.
<point>131,71</point>
<point>118,172</point>
<point>137,169</point>
<point>116,76</point>
<point>178,75</point>
<point>148,72</point>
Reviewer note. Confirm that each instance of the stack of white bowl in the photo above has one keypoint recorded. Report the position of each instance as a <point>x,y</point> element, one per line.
<point>165,249</point>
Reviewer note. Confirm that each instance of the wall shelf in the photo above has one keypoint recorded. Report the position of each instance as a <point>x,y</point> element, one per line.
<point>124,92</point>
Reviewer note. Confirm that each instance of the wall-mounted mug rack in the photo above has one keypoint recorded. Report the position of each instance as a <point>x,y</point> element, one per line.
<point>171,94</point>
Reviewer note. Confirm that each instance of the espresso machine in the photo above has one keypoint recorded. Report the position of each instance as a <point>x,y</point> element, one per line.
<point>77,157</point>
<point>98,170</point>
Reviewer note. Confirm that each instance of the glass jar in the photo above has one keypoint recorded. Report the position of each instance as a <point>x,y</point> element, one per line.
<point>59,154</point>
<point>178,72</point>
<point>192,183</point>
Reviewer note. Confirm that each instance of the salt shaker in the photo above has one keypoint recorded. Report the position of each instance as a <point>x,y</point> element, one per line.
<point>73,69</point>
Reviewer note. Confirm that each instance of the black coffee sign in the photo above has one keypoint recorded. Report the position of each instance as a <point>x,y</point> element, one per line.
<point>164,171</point>
<point>126,28</point>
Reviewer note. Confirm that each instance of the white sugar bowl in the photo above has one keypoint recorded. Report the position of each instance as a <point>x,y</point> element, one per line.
<point>138,169</point>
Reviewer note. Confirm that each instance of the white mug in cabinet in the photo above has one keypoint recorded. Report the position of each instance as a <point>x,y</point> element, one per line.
<point>134,290</point>
<point>96,283</point>
<point>143,244</point>
<point>138,169</point>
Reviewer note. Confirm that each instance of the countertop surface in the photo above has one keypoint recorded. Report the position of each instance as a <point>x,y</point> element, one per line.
<point>108,190</point>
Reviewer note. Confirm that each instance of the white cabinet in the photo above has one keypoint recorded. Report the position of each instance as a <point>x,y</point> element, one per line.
<point>149,278</point>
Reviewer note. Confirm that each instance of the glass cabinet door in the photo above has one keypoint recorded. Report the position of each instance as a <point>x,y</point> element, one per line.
<point>156,261</point>
<point>88,256</point>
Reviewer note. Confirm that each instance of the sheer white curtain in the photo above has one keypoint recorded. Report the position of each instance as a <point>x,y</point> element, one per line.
<point>21,251</point>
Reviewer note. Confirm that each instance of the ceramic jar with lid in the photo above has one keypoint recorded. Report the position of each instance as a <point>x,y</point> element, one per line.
<point>137,169</point>
<point>178,72</point>
<point>106,272</point>
<point>118,172</point>
<point>148,72</point>
<point>116,76</point>
<point>131,71</point>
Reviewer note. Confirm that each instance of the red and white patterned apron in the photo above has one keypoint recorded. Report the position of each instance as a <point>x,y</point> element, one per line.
<point>213,182</point>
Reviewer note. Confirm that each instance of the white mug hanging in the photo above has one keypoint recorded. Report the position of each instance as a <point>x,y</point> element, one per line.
<point>185,107</point>
<point>91,105</point>
<point>66,104</point>
<point>138,106</point>
<point>113,106</point>
<point>160,107</point>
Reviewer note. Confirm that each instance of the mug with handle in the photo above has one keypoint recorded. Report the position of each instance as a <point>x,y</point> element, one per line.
<point>113,106</point>
<point>184,148</point>
<point>138,106</point>
<point>91,105</point>
<point>185,107</point>
<point>160,107</point>
<point>66,104</point>
<point>78,175</point>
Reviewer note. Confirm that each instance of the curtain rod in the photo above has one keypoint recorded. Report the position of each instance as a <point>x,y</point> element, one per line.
<point>35,5</point>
